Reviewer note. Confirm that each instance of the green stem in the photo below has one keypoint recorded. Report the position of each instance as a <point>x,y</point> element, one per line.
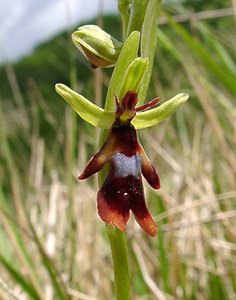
<point>118,246</point>
<point>142,20</point>
<point>120,262</point>
<point>137,13</point>
<point>123,6</point>
<point>148,43</point>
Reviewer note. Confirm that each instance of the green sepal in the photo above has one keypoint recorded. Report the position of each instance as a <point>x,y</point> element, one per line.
<point>154,116</point>
<point>101,118</point>
<point>88,111</point>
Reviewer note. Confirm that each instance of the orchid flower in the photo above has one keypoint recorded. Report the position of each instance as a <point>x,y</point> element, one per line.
<point>122,190</point>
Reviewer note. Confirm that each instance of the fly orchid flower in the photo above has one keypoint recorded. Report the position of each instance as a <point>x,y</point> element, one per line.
<point>122,190</point>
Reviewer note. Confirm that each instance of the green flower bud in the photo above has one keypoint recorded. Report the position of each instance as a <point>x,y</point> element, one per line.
<point>100,49</point>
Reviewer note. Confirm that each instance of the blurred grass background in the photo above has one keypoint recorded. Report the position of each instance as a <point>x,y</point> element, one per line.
<point>52,243</point>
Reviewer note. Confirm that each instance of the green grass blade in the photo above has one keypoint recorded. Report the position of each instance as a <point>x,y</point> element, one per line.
<point>59,287</point>
<point>218,48</point>
<point>223,75</point>
<point>20,279</point>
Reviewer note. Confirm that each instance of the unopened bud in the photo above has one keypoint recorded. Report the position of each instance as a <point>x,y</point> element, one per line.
<point>100,49</point>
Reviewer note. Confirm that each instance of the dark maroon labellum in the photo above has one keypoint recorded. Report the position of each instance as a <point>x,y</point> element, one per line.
<point>122,190</point>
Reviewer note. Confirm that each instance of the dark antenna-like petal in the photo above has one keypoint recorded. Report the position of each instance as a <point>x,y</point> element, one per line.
<point>148,105</point>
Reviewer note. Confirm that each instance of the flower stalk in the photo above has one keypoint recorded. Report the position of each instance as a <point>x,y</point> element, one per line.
<point>117,238</point>
<point>118,244</point>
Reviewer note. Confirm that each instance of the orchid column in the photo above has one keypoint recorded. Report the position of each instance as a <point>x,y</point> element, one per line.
<point>121,189</point>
